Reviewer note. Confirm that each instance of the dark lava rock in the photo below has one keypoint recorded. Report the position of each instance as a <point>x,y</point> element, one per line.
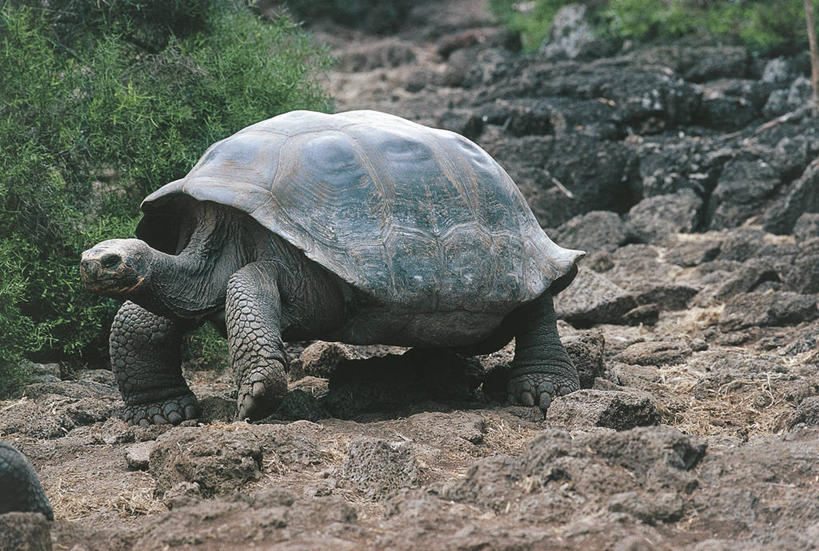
<point>655,353</point>
<point>803,276</point>
<point>667,296</point>
<point>669,165</point>
<point>767,308</point>
<point>24,532</point>
<point>647,314</point>
<point>386,53</point>
<point>219,460</point>
<point>730,280</point>
<point>322,359</point>
<point>746,183</point>
<point>488,37</point>
<point>377,467</point>
<point>770,479</point>
<point>747,243</point>
<point>725,111</point>
<point>654,218</point>
<point>462,121</point>
<point>712,63</point>
<point>599,230</point>
<point>593,298</point>
<point>586,351</point>
<point>618,410</point>
<point>802,197</point>
<point>693,249</point>
<point>519,117</point>
<point>596,174</point>
<point>789,99</point>
<point>806,228</point>
<point>807,412</point>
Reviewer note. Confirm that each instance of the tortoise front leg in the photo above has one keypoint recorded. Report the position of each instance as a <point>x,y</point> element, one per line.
<point>252,317</point>
<point>541,368</point>
<point>146,359</point>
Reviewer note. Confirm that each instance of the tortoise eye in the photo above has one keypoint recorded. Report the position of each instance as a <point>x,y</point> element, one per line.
<point>110,260</point>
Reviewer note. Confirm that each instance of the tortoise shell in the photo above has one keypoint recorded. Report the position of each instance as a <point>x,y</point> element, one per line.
<point>411,215</point>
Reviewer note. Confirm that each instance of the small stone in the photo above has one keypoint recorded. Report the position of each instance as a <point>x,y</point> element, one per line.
<point>619,410</point>
<point>138,455</point>
<point>593,298</point>
<point>655,353</point>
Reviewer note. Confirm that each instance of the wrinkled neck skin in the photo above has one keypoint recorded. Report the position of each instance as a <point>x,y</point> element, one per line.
<point>191,285</point>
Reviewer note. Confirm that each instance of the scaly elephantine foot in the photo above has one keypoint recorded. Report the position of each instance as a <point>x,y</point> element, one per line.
<point>21,489</point>
<point>538,389</point>
<point>172,410</point>
<point>261,391</point>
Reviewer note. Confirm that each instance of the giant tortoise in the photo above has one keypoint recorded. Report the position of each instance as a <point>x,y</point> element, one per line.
<point>359,227</point>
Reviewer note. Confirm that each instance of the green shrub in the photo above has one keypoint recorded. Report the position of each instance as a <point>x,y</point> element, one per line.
<point>763,26</point>
<point>94,115</point>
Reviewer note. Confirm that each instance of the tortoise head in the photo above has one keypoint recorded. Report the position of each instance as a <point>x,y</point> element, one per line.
<point>117,267</point>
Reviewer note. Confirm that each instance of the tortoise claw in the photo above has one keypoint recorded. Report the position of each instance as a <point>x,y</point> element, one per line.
<point>535,389</point>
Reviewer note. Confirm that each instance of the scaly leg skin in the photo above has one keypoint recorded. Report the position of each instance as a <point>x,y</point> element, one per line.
<point>541,369</point>
<point>22,490</point>
<point>252,316</point>
<point>146,360</point>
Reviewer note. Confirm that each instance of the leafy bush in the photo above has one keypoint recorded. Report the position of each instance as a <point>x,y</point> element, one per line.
<point>763,26</point>
<point>100,104</point>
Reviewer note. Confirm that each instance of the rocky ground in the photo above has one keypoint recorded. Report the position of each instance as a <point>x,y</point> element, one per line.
<point>690,175</point>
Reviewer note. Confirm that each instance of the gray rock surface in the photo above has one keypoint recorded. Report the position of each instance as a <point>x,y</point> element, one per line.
<point>593,298</point>
<point>599,230</point>
<point>654,218</point>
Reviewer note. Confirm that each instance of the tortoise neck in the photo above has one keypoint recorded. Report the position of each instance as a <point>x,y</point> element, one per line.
<point>192,283</point>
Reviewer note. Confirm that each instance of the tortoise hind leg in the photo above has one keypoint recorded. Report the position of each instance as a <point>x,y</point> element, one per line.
<point>541,368</point>
<point>146,360</point>
<point>252,318</point>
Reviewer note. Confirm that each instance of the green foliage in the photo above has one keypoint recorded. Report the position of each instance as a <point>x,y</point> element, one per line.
<point>761,25</point>
<point>207,349</point>
<point>93,116</point>
<point>531,19</point>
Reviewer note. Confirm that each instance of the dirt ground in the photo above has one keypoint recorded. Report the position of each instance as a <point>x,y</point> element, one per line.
<point>693,322</point>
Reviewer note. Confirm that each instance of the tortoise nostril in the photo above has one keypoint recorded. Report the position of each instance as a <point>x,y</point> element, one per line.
<point>110,260</point>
